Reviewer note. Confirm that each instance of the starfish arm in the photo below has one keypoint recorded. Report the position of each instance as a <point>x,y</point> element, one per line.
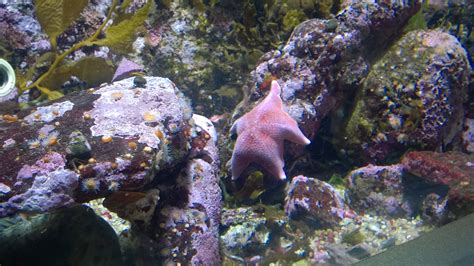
<point>291,132</point>
<point>236,126</point>
<point>239,163</point>
<point>273,161</point>
<point>275,89</point>
<point>272,101</point>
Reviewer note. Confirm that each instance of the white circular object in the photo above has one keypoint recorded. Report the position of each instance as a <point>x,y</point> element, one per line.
<point>7,78</point>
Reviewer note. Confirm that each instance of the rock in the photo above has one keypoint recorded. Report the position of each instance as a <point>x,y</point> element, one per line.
<point>68,237</point>
<point>260,234</point>
<point>434,209</point>
<point>93,143</point>
<point>413,97</point>
<point>378,190</point>
<point>244,232</point>
<point>42,187</point>
<point>315,201</point>
<point>191,47</point>
<point>12,29</point>
<point>137,146</point>
<point>184,228</point>
<point>468,135</point>
<point>133,206</point>
<point>360,252</point>
<point>454,169</point>
<point>336,254</point>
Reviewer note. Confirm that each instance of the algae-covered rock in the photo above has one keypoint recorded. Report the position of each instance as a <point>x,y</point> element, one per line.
<point>412,98</point>
<point>91,144</point>
<point>244,232</point>
<point>208,47</point>
<point>454,169</point>
<point>378,190</point>
<point>187,46</point>
<point>261,234</point>
<point>315,201</point>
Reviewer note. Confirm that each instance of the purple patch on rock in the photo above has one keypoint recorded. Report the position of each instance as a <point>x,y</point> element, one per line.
<point>125,68</point>
<point>52,187</point>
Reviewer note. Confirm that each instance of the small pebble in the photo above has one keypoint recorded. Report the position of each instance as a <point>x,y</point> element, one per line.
<point>139,81</point>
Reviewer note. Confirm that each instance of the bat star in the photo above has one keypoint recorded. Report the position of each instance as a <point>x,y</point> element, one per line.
<point>261,134</point>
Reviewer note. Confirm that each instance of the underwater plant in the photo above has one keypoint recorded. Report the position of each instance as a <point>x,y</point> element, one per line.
<point>56,16</point>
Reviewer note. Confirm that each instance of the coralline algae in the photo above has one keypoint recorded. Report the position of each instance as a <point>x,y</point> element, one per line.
<point>412,97</point>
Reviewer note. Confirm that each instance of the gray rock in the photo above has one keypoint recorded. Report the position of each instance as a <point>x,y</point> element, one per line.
<point>184,228</point>
<point>377,190</point>
<point>315,201</point>
<point>244,232</point>
<point>74,236</point>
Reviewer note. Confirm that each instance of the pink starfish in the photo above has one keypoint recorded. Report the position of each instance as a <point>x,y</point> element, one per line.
<point>261,133</point>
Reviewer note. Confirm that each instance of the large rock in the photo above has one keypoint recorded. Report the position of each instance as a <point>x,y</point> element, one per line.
<point>75,236</point>
<point>412,98</point>
<point>378,190</point>
<point>192,47</point>
<point>184,228</point>
<point>315,201</point>
<point>454,169</point>
<point>135,144</point>
<point>92,144</point>
<point>244,232</point>
<point>261,235</point>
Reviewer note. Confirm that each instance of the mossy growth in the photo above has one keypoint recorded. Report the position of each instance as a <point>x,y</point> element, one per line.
<point>359,127</point>
<point>353,238</point>
<point>265,25</point>
<point>418,21</point>
<point>55,16</point>
<point>337,181</point>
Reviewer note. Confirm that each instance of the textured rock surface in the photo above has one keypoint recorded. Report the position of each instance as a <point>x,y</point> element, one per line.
<point>260,234</point>
<point>68,237</point>
<point>377,190</point>
<point>453,169</point>
<point>42,187</point>
<point>412,98</point>
<point>434,209</point>
<point>184,227</point>
<point>244,232</point>
<point>468,135</point>
<point>189,47</point>
<point>315,201</point>
<point>92,144</point>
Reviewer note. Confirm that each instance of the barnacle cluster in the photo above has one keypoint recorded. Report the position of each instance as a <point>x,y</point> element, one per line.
<point>47,136</point>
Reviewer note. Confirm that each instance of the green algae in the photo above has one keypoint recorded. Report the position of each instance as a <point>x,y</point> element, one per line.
<point>225,57</point>
<point>359,127</point>
<point>353,238</point>
<point>93,70</point>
